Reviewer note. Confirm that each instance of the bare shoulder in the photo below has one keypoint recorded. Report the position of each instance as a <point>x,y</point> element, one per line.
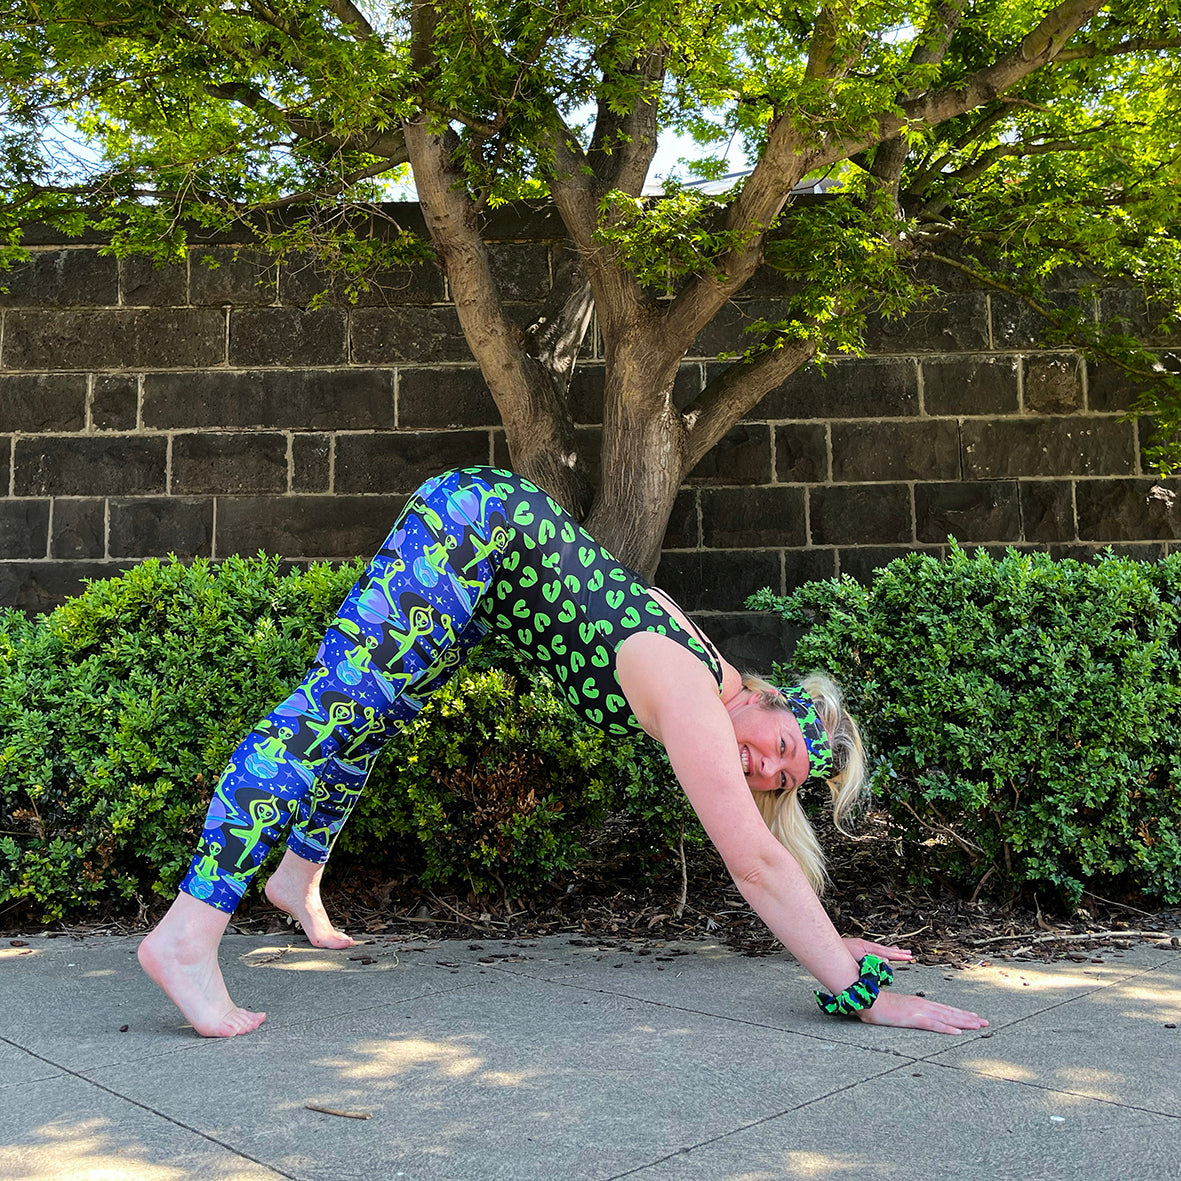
<point>657,675</point>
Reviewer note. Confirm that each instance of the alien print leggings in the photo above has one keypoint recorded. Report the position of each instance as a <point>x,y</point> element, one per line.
<point>402,631</point>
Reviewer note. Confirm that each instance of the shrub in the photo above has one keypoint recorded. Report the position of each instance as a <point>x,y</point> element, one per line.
<point>119,709</point>
<point>1022,712</point>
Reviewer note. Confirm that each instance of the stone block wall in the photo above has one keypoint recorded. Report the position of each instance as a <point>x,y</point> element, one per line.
<point>209,408</point>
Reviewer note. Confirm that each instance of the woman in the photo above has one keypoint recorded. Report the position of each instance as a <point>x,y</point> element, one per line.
<point>481,548</point>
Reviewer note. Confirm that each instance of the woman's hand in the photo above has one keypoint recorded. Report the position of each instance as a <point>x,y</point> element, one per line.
<point>916,1012</point>
<point>860,948</point>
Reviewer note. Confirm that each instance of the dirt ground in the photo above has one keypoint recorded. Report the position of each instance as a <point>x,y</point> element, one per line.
<point>869,897</point>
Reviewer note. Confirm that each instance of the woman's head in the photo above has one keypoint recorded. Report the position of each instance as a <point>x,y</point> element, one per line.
<point>829,746</point>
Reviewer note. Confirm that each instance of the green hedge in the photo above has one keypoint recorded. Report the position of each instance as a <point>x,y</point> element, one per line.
<point>1021,714</point>
<point>119,709</point>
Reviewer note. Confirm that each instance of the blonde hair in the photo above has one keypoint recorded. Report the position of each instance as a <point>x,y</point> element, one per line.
<point>781,810</point>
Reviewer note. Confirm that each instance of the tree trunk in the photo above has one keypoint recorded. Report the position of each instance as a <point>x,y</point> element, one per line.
<point>531,399</point>
<point>643,449</point>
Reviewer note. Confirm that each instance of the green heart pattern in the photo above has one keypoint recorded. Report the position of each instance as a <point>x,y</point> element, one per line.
<point>565,600</point>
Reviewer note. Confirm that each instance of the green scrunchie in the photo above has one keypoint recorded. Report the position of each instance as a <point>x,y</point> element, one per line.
<point>876,974</point>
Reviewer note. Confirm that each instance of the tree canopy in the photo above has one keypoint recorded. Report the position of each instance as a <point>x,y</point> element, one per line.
<point>1006,138</point>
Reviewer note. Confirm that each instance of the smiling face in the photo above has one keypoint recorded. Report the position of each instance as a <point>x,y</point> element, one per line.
<point>771,746</point>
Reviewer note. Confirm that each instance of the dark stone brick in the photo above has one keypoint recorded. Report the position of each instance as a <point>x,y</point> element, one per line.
<point>801,453</point>
<point>444,398</point>
<point>683,531</point>
<point>716,580</point>
<point>807,565</point>
<point>45,402</point>
<point>949,323</point>
<point>863,562</point>
<point>586,393</point>
<point>1164,326</point>
<point>332,399</point>
<point>852,514</point>
<point>305,526</point>
<point>1070,278</point>
<point>79,528</point>
<point>232,276</point>
<point>146,285</point>
<point>1112,389</point>
<point>310,462</point>
<point>942,277</point>
<point>742,456</point>
<point>847,389</point>
<point>925,449</point>
<point>1053,384</point>
<point>519,221</point>
<point>772,284</point>
<point>969,512</point>
<point>383,336</point>
<point>1126,310</point>
<point>1015,325</point>
<point>589,442</point>
<point>753,641</point>
<point>116,338</point>
<point>1127,510</point>
<point>732,518</point>
<point>1047,447</point>
<point>288,336</point>
<point>397,461</point>
<point>89,465</point>
<point>301,282</point>
<point>223,463</point>
<point>151,527</point>
<point>1152,552</point>
<point>970,385</point>
<point>41,234</point>
<point>728,331</point>
<point>41,586</point>
<point>61,278</point>
<point>521,269</point>
<point>114,402</point>
<point>24,528</point>
<point>1047,510</point>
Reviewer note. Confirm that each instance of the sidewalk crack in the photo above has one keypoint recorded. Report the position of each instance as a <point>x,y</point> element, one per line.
<point>151,1110</point>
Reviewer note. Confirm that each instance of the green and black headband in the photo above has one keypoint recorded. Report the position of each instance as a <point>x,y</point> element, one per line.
<point>820,760</point>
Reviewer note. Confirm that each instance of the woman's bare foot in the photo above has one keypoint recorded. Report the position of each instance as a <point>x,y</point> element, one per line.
<point>180,955</point>
<point>295,889</point>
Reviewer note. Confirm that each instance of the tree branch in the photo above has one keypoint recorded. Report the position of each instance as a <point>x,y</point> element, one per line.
<point>1038,48</point>
<point>389,144</point>
<point>1134,45</point>
<point>622,146</point>
<point>536,419</point>
<point>765,192</point>
<point>822,48</point>
<point>352,18</point>
<point>930,47</point>
<point>576,192</point>
<point>734,392</point>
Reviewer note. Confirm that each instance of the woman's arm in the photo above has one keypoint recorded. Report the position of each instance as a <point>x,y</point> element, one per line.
<point>676,701</point>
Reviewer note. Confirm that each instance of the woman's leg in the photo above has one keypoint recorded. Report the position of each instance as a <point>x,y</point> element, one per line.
<point>397,637</point>
<point>180,955</point>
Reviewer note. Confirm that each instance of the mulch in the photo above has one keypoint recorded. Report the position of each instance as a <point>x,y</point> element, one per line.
<point>870,896</point>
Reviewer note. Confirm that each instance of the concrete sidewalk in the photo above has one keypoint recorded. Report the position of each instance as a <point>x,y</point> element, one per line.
<point>538,1060</point>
